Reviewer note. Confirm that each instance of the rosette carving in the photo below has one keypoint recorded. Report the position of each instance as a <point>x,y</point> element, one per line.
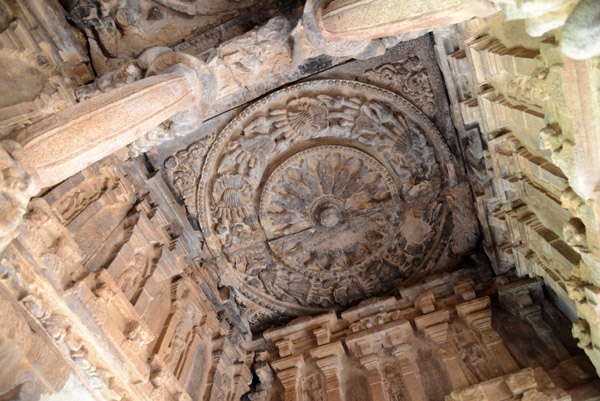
<point>323,194</point>
<point>328,209</point>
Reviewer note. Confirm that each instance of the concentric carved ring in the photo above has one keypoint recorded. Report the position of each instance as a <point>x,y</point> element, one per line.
<point>329,210</point>
<point>325,193</point>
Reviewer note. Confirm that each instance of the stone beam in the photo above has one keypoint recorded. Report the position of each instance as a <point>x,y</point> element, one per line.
<point>351,22</point>
<point>67,142</point>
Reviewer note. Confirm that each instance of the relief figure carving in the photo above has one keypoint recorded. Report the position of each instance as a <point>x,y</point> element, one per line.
<point>17,186</point>
<point>394,383</point>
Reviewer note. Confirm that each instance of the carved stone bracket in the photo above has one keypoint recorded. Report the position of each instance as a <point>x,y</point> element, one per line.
<point>476,314</point>
<point>329,360</point>
<point>176,85</point>
<point>435,327</point>
<point>287,370</point>
<point>520,299</point>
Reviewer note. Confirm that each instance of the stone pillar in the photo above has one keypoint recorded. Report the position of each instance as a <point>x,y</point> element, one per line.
<point>519,299</point>
<point>242,378</point>
<point>411,379</point>
<point>328,359</point>
<point>533,315</point>
<point>477,315</point>
<point>435,328</point>
<point>288,370</point>
<point>71,140</point>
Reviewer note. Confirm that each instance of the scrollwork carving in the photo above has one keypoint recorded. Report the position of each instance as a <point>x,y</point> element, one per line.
<point>183,168</point>
<point>408,77</point>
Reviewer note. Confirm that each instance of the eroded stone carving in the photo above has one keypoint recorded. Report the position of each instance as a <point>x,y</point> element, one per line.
<point>64,336</point>
<point>425,343</point>
<point>409,78</point>
<point>392,377</point>
<point>247,60</point>
<point>577,18</point>
<point>183,169</point>
<point>263,51</point>
<point>17,186</point>
<point>533,132</point>
<point>312,388</point>
<point>581,33</point>
<point>318,196</point>
<point>121,30</point>
<point>42,63</point>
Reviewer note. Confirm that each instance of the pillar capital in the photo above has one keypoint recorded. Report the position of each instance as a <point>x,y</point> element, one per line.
<point>288,370</point>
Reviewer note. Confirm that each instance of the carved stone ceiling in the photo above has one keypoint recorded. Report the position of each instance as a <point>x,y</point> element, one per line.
<point>325,193</point>
<point>329,191</point>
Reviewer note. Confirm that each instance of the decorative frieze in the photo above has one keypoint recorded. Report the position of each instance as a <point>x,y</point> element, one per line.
<point>404,353</point>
